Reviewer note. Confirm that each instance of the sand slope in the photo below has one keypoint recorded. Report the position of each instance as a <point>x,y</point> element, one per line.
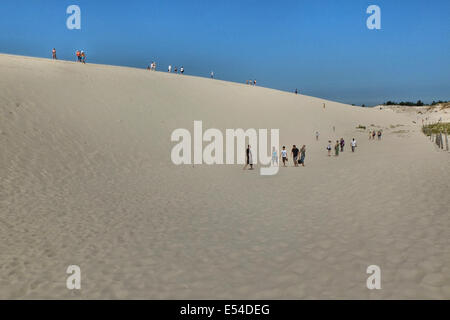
<point>86,179</point>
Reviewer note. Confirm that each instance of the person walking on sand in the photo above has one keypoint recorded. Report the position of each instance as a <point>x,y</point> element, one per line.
<point>353,144</point>
<point>342,144</point>
<point>169,69</point>
<point>294,153</point>
<point>181,70</point>
<point>317,135</point>
<point>296,91</point>
<point>329,148</point>
<point>373,135</point>
<point>54,54</point>
<point>370,135</point>
<point>302,155</point>
<point>274,156</point>
<point>284,156</point>
<point>249,158</point>
<point>324,105</point>
<point>78,56</point>
<point>379,134</point>
<point>336,148</point>
<point>254,82</point>
<point>212,74</point>
<point>83,57</point>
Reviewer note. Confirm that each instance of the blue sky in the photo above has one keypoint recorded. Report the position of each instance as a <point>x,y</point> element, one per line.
<point>321,47</point>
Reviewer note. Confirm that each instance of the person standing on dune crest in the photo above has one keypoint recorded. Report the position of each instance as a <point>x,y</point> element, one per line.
<point>54,54</point>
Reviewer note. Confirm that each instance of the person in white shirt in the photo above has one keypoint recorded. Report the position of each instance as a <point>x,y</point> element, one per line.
<point>284,156</point>
<point>170,68</point>
<point>353,144</point>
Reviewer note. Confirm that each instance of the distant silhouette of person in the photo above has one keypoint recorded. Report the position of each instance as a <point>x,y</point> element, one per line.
<point>249,158</point>
<point>54,54</point>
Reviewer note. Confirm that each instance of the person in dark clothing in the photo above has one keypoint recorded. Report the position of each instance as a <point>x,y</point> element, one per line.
<point>294,153</point>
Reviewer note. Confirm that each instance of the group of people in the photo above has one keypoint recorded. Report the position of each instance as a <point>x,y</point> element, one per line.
<point>373,134</point>
<point>295,152</point>
<point>251,82</point>
<point>175,69</point>
<point>81,56</point>
<point>339,146</point>
<point>298,156</point>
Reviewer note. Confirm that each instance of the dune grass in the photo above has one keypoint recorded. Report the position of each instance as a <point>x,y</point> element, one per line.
<point>436,128</point>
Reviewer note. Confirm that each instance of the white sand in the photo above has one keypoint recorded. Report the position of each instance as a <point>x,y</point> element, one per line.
<point>86,179</point>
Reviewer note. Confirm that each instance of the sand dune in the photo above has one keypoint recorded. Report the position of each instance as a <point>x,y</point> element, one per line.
<point>86,179</point>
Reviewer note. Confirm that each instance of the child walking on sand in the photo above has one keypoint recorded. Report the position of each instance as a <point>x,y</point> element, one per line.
<point>294,153</point>
<point>284,156</point>
<point>274,156</point>
<point>329,148</point>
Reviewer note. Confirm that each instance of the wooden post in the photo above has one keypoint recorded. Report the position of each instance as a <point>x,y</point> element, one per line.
<point>446,139</point>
